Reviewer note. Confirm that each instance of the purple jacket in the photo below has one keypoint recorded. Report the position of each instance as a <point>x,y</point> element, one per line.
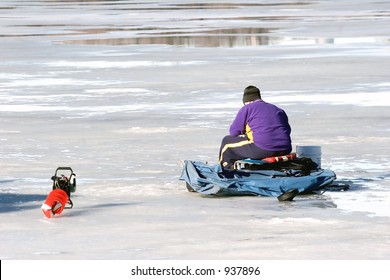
<point>265,124</point>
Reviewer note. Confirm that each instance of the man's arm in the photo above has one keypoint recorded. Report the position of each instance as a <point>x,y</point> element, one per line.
<point>238,125</point>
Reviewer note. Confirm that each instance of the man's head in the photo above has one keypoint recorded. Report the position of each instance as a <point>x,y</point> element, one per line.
<point>251,93</point>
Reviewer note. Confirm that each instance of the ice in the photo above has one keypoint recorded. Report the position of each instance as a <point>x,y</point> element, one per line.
<point>122,91</point>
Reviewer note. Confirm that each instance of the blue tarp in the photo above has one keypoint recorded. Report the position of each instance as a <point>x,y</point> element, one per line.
<point>212,180</point>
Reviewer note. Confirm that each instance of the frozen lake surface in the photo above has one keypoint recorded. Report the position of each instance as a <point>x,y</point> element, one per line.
<point>121,91</point>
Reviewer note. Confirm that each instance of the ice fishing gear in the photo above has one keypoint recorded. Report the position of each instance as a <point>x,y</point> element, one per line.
<point>65,183</point>
<point>55,203</point>
<point>59,198</point>
<point>289,195</point>
<point>284,182</point>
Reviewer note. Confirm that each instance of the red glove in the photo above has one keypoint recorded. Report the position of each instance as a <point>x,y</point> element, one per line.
<point>55,203</point>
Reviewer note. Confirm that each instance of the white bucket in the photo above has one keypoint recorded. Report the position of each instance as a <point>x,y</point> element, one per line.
<point>312,152</point>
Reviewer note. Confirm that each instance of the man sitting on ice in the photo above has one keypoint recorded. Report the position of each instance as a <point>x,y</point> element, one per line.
<point>259,130</point>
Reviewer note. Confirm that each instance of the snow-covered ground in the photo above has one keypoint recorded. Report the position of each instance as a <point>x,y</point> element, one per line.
<point>122,91</point>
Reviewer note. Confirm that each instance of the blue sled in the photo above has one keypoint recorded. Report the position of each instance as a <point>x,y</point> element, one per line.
<point>213,180</point>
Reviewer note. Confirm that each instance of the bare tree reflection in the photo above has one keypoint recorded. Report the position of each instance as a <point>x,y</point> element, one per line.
<point>209,38</point>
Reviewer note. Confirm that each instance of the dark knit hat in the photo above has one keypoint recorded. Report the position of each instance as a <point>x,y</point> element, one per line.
<point>251,93</point>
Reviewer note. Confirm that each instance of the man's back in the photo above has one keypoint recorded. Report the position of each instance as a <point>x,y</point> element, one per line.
<point>264,123</point>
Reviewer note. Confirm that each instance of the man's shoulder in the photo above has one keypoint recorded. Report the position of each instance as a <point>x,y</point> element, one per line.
<point>271,105</point>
